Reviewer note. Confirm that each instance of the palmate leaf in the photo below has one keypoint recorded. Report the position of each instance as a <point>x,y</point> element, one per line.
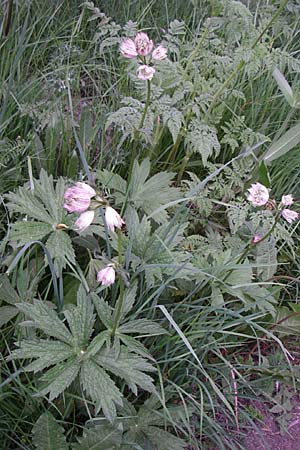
<point>163,440</point>
<point>7,292</point>
<point>142,190</point>
<point>143,194</point>
<point>46,352</point>
<point>47,320</point>
<point>81,319</point>
<point>58,379</point>
<point>43,203</point>
<point>104,437</point>
<point>143,427</point>
<point>100,387</point>
<point>128,366</point>
<point>48,434</point>
<point>6,314</point>
<point>23,232</point>
<point>155,252</point>
<point>74,352</point>
<point>60,248</point>
<point>42,209</point>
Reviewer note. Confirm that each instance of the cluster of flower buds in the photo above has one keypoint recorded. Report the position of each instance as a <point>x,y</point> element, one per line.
<point>78,198</point>
<point>141,47</point>
<point>82,198</point>
<point>259,196</point>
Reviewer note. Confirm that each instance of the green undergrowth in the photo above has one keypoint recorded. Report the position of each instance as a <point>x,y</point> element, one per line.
<point>201,321</point>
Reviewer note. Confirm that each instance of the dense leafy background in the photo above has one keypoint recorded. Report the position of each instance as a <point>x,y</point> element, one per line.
<point>160,373</point>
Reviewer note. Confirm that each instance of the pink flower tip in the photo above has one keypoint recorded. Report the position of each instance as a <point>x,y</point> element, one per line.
<point>143,44</point>
<point>113,219</point>
<point>289,215</point>
<point>258,194</point>
<point>84,221</point>
<point>159,53</point>
<point>106,276</point>
<point>77,197</point>
<point>145,72</point>
<point>287,200</point>
<point>256,238</point>
<point>128,49</point>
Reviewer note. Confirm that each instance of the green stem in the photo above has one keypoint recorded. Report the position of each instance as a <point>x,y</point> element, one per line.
<point>119,309</point>
<point>121,295</point>
<point>190,112</point>
<point>253,244</point>
<point>136,132</point>
<point>183,166</point>
<point>194,53</point>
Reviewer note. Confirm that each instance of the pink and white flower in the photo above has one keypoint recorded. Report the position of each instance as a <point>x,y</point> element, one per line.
<point>287,200</point>
<point>159,53</point>
<point>289,215</point>
<point>106,276</point>
<point>143,44</point>
<point>84,221</point>
<point>258,194</point>
<point>113,219</point>
<point>145,72</point>
<point>77,198</point>
<point>128,48</point>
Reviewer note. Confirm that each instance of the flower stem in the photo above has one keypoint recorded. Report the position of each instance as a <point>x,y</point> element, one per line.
<point>118,309</point>
<point>136,132</point>
<point>121,295</point>
<point>253,244</point>
<point>183,166</point>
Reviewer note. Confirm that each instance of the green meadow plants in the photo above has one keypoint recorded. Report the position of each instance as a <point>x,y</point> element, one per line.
<point>147,240</point>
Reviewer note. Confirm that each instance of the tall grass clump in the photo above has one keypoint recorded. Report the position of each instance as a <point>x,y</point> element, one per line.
<point>149,215</point>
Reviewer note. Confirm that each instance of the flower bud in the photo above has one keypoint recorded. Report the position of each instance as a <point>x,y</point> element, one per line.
<point>256,238</point>
<point>106,276</point>
<point>143,44</point>
<point>258,194</point>
<point>113,219</point>
<point>289,215</point>
<point>77,198</point>
<point>145,72</point>
<point>128,49</point>
<point>84,221</point>
<point>287,200</point>
<point>159,53</point>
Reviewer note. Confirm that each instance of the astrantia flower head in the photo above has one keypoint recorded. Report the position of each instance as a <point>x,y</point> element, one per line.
<point>77,198</point>
<point>106,276</point>
<point>258,194</point>
<point>145,72</point>
<point>287,200</point>
<point>143,44</point>
<point>289,215</point>
<point>128,48</point>
<point>159,53</point>
<point>84,221</point>
<point>113,219</point>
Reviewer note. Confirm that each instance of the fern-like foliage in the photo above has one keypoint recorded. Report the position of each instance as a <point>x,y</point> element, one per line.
<point>202,139</point>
